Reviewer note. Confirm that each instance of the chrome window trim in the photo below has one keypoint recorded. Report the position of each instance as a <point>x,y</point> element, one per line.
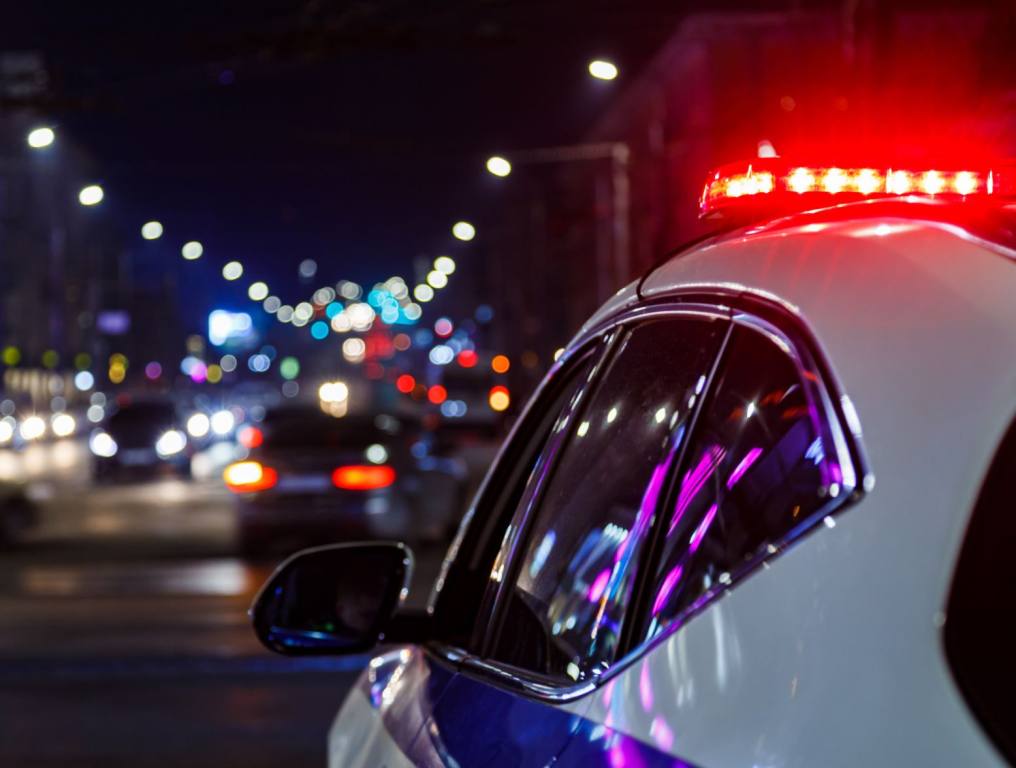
<point>802,351</point>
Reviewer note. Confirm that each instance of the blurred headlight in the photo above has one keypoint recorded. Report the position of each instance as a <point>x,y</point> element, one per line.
<point>223,422</point>
<point>32,428</point>
<point>63,425</point>
<point>102,444</point>
<point>6,430</point>
<point>197,425</point>
<point>170,443</point>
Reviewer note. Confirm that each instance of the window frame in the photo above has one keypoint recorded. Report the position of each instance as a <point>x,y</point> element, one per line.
<point>738,306</point>
<point>533,497</point>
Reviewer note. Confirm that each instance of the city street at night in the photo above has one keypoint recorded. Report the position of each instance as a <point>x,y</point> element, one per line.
<point>507,384</point>
<point>124,636</point>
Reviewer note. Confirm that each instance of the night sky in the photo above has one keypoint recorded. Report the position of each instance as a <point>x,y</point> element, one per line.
<point>351,133</point>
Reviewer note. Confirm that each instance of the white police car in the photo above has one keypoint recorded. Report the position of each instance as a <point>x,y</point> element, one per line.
<point>681,556</point>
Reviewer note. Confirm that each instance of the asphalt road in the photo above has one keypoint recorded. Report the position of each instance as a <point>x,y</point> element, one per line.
<point>124,638</point>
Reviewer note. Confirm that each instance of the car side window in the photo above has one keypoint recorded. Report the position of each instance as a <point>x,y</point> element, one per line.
<point>459,595</point>
<point>762,464</point>
<point>574,568</point>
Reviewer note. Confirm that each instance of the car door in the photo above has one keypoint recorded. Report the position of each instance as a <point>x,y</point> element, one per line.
<point>559,587</point>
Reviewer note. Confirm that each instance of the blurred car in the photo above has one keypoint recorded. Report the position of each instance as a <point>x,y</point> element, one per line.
<point>142,437</point>
<point>311,477</point>
<point>681,556</point>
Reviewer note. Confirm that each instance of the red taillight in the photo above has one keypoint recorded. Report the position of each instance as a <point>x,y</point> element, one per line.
<point>250,437</point>
<point>405,383</point>
<point>437,394</point>
<point>363,477</point>
<point>774,180</point>
<point>249,476</point>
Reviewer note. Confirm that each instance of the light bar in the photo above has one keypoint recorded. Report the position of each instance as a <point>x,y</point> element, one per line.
<point>775,182</point>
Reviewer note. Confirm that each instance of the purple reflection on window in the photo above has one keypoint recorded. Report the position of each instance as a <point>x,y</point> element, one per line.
<point>703,527</point>
<point>694,480</point>
<point>646,507</point>
<point>599,586</point>
<point>669,582</point>
<point>749,458</point>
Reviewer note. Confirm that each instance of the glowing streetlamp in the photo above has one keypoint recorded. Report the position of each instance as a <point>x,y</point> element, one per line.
<point>499,166</point>
<point>91,195</point>
<point>602,69</point>
<point>40,138</point>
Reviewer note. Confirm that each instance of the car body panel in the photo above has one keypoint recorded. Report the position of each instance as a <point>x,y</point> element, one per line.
<point>385,710</point>
<point>800,661</point>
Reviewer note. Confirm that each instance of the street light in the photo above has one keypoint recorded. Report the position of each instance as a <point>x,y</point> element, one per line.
<point>233,270</point>
<point>259,292</point>
<point>151,230</point>
<point>90,195</point>
<point>602,69</point>
<point>464,231</point>
<point>499,166</point>
<point>40,138</point>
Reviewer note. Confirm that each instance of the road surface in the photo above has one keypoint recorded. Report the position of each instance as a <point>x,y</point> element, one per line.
<point>124,638</point>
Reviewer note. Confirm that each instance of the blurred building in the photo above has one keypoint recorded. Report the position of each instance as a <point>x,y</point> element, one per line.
<point>856,78</point>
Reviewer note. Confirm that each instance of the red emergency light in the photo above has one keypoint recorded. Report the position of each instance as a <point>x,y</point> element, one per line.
<point>775,182</point>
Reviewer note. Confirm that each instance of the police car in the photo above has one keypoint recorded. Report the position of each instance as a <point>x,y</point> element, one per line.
<point>682,556</point>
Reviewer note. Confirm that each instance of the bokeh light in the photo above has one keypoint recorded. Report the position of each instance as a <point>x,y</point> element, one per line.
<point>192,250</point>
<point>499,399</point>
<point>91,195</point>
<point>233,270</point>
<point>444,264</point>
<point>289,368</point>
<point>602,69</point>
<point>151,230</point>
<point>499,166</point>
<point>257,291</point>
<point>463,230</point>
<point>40,138</point>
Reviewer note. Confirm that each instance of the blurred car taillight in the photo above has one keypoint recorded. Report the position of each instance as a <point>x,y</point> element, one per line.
<point>363,477</point>
<point>251,437</point>
<point>248,476</point>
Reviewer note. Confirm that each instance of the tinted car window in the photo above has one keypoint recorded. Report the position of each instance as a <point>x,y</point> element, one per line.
<point>761,465</point>
<point>461,615</point>
<point>566,606</point>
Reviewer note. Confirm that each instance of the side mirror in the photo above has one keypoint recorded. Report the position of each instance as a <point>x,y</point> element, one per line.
<point>336,599</point>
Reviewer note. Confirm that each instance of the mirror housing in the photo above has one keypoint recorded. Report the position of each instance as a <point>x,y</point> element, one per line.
<point>333,600</point>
